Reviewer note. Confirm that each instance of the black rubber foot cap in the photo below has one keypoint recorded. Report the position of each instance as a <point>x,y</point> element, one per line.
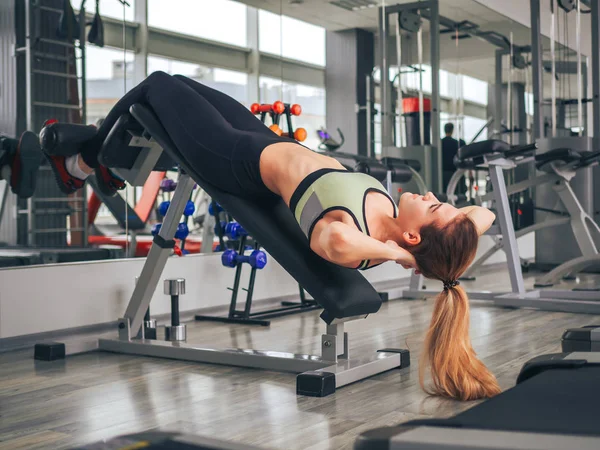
<point>384,296</point>
<point>315,384</point>
<point>404,355</point>
<point>150,333</point>
<point>49,351</point>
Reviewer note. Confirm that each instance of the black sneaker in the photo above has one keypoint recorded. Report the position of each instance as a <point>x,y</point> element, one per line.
<point>108,182</point>
<point>67,183</point>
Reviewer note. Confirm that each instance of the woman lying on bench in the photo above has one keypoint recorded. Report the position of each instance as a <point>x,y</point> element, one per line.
<point>348,218</point>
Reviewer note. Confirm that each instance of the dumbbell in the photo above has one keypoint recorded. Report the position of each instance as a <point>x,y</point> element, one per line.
<point>190,208</point>
<point>300,134</point>
<point>176,331</point>
<point>275,129</point>
<point>216,210</point>
<point>168,185</point>
<point>277,107</point>
<point>182,231</point>
<point>149,323</point>
<point>234,230</point>
<point>163,207</point>
<point>256,259</point>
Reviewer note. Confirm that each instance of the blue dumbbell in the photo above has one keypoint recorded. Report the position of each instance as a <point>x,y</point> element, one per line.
<point>214,211</point>
<point>218,248</point>
<point>163,207</point>
<point>234,230</point>
<point>231,258</point>
<point>189,208</point>
<point>182,231</point>
<point>156,229</point>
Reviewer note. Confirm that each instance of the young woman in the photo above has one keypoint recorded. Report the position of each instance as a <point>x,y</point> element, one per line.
<point>348,218</point>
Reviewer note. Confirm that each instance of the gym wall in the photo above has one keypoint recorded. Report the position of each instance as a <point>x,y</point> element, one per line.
<point>50,298</point>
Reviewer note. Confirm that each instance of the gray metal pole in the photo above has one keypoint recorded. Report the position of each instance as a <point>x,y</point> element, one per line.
<point>253,92</point>
<point>595,7</point>
<point>498,93</point>
<point>140,59</point>
<point>584,82</point>
<point>386,125</point>
<point>536,69</point>
<point>434,36</point>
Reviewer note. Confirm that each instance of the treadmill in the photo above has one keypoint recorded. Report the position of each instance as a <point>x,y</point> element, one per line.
<point>553,406</point>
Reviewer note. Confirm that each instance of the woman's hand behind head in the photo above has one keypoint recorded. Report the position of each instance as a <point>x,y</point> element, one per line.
<point>404,257</point>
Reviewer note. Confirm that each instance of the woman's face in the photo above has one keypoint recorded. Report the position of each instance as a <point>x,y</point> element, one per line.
<point>416,211</point>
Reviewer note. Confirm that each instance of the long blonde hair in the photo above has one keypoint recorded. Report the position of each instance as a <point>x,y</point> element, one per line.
<point>444,253</point>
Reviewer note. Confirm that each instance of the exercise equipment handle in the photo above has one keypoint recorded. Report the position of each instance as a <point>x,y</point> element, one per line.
<point>590,158</point>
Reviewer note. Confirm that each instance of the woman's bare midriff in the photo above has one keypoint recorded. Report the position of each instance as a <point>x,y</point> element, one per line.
<point>284,165</point>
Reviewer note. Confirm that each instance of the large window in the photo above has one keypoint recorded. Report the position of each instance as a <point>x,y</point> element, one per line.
<point>312,100</point>
<point>111,8</point>
<point>291,38</point>
<point>475,90</point>
<point>217,20</point>
<point>230,82</point>
<point>472,126</point>
<point>108,77</point>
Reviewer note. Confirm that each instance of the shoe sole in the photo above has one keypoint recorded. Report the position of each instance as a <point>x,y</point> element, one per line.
<point>61,184</point>
<point>102,186</point>
<point>30,155</point>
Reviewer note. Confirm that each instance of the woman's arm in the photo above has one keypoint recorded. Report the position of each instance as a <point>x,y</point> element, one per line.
<point>346,246</point>
<point>482,217</point>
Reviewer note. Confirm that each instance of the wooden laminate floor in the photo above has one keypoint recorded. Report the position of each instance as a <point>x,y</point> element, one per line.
<point>86,398</point>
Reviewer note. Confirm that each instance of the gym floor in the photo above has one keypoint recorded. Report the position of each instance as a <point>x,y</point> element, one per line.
<point>86,398</point>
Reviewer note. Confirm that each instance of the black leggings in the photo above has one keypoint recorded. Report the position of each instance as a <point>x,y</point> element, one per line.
<point>217,136</point>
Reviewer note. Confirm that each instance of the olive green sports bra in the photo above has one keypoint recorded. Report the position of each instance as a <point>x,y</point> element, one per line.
<point>331,189</point>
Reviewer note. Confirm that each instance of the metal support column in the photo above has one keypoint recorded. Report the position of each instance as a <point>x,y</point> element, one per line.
<point>385,108</point>
<point>507,228</point>
<point>140,59</point>
<point>498,92</point>
<point>595,8</point>
<point>252,36</point>
<point>536,69</point>
<point>434,41</point>
<point>157,258</point>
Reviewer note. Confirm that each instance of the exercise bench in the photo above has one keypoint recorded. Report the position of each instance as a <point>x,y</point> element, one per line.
<point>137,145</point>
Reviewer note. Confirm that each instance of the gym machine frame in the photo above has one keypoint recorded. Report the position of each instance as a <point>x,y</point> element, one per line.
<point>503,226</point>
<point>581,223</point>
<point>317,375</point>
<point>581,301</point>
<point>430,10</point>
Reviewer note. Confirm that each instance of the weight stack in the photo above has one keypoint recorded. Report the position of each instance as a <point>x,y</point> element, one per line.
<point>410,106</point>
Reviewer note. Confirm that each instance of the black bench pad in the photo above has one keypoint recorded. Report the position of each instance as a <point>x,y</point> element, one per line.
<point>482,148</point>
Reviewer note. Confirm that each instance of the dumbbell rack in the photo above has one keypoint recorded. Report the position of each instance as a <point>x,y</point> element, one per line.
<point>275,111</point>
<point>246,316</point>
